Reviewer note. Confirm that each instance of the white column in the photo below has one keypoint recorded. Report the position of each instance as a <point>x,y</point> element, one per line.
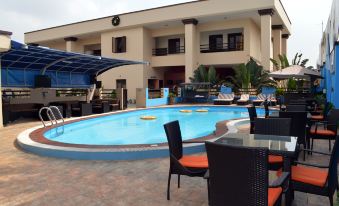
<point>266,37</point>
<point>191,48</point>
<point>71,44</point>
<point>277,42</point>
<point>284,44</point>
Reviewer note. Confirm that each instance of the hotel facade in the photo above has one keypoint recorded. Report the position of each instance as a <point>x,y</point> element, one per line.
<point>329,56</point>
<point>175,40</point>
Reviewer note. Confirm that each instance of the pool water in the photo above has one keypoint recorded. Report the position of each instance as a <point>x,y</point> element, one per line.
<point>127,128</point>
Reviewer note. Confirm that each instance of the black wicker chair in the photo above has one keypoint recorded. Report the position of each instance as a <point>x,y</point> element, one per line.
<point>298,126</point>
<point>239,176</point>
<point>193,166</point>
<point>312,179</point>
<point>296,108</point>
<point>325,129</point>
<point>252,112</point>
<point>273,126</point>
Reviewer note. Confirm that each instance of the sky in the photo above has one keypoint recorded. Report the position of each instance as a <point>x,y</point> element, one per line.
<point>20,16</point>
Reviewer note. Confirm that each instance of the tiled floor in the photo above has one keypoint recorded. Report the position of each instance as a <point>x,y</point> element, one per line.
<point>27,179</point>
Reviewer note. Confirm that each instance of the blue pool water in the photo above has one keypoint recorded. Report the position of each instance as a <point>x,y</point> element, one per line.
<point>128,128</point>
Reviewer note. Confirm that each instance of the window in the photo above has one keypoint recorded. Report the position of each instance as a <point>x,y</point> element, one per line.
<point>235,41</point>
<point>174,46</point>
<point>119,44</point>
<point>121,83</point>
<point>216,42</point>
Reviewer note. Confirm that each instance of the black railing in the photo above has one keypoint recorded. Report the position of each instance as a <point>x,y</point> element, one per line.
<point>166,51</point>
<point>224,47</point>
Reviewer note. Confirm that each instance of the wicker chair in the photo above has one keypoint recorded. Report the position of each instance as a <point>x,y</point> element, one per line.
<point>312,179</point>
<point>273,126</point>
<point>325,129</point>
<point>321,115</point>
<point>231,183</point>
<point>298,126</point>
<point>192,166</point>
<point>252,112</point>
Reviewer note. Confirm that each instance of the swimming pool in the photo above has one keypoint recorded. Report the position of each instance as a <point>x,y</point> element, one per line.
<point>128,129</point>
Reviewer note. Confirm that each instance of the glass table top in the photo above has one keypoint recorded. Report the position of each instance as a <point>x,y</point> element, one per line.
<point>278,144</point>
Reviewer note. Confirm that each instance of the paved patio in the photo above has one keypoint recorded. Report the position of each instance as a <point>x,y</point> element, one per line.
<point>28,179</point>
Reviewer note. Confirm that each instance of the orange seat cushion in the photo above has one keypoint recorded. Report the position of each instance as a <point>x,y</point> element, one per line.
<point>317,117</point>
<point>275,159</point>
<point>194,161</point>
<point>273,195</point>
<point>323,132</point>
<point>309,175</point>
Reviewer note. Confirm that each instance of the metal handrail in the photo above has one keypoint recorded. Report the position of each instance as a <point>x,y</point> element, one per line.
<point>51,116</point>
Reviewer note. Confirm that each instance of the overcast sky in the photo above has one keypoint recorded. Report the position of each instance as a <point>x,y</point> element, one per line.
<point>21,16</point>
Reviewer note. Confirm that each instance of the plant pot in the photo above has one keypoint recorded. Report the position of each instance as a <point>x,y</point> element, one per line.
<point>172,100</point>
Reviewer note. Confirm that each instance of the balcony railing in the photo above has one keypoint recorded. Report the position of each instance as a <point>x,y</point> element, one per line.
<point>166,51</point>
<point>224,47</point>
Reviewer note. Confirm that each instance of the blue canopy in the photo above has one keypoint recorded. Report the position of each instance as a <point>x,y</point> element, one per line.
<point>22,63</point>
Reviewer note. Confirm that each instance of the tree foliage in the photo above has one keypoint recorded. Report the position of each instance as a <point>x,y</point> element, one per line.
<point>283,61</point>
<point>202,74</point>
<point>250,75</point>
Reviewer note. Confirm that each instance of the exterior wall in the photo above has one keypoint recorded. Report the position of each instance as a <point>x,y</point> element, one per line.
<point>61,45</point>
<point>133,74</point>
<point>255,40</point>
<point>329,56</point>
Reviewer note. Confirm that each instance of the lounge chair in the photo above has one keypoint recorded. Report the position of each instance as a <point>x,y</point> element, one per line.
<point>224,99</point>
<point>259,100</point>
<point>244,99</point>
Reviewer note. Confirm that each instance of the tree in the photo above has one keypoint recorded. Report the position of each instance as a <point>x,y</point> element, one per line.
<point>283,61</point>
<point>202,74</point>
<point>250,75</point>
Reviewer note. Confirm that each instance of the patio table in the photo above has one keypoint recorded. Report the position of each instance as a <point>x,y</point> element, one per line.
<point>278,145</point>
<point>276,114</point>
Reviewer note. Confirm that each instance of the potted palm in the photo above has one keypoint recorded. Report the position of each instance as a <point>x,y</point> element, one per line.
<point>172,98</point>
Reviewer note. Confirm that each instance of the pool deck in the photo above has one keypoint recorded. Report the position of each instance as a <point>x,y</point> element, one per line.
<point>28,179</point>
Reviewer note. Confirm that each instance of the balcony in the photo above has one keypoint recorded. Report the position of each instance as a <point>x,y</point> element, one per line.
<point>221,47</point>
<point>168,51</point>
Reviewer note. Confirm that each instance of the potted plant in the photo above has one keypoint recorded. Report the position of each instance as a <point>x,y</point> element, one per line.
<point>171,97</point>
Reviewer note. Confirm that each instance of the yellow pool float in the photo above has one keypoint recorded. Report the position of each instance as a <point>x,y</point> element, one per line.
<point>201,110</point>
<point>186,111</point>
<point>148,117</point>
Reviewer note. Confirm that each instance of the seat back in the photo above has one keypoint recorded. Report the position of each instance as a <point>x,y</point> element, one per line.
<point>267,111</point>
<point>333,170</point>
<point>296,108</point>
<point>298,125</point>
<point>237,175</point>
<point>333,120</point>
<point>252,112</point>
<point>273,126</point>
<point>174,138</point>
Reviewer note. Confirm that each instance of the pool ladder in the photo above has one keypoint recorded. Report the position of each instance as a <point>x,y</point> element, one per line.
<point>54,116</point>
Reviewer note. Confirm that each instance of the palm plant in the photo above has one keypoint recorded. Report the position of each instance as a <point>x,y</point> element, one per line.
<point>250,75</point>
<point>283,61</point>
<point>203,75</point>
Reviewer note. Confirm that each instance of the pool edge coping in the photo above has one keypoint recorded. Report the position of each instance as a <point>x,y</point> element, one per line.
<point>25,142</point>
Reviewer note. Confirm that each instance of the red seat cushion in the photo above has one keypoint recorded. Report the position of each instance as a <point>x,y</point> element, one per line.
<point>317,117</point>
<point>309,175</point>
<point>275,159</point>
<point>194,161</point>
<point>273,195</point>
<point>323,132</point>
